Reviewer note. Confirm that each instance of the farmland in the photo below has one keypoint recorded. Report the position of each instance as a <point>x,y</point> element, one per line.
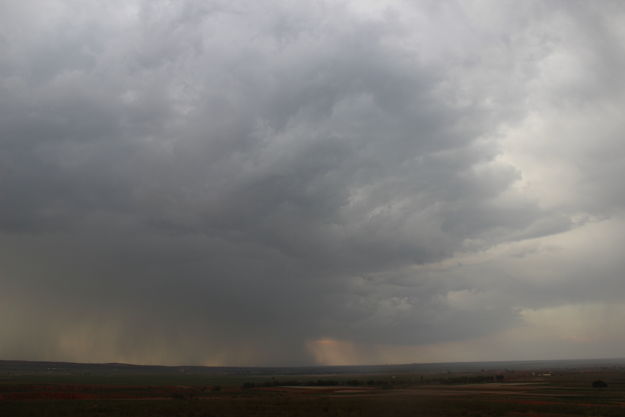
<point>497,389</point>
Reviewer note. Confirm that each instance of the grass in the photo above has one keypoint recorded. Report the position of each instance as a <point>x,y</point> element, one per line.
<point>299,406</point>
<point>568,393</point>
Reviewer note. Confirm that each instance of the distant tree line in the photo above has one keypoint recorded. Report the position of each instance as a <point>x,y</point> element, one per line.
<point>315,383</point>
<point>381,383</point>
<point>473,379</point>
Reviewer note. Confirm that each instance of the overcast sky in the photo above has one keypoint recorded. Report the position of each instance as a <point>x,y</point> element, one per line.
<point>311,182</point>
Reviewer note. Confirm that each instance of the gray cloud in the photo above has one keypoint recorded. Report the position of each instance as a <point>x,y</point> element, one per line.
<point>227,182</point>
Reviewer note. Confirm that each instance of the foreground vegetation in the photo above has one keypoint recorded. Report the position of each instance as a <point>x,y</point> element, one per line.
<point>507,393</point>
<point>312,405</point>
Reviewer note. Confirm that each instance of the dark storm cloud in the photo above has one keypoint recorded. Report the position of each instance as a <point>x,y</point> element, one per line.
<point>225,182</point>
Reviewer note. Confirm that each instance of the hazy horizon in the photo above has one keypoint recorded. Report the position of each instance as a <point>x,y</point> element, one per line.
<point>330,182</point>
<point>515,364</point>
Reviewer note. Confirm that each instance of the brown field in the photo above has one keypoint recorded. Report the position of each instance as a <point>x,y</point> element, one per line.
<point>517,394</point>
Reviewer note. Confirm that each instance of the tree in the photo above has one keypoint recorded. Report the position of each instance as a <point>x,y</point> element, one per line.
<point>599,384</point>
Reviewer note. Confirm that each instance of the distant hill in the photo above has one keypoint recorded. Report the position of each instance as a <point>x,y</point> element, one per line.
<point>12,367</point>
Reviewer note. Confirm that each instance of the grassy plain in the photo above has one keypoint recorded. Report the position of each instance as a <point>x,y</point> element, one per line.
<point>515,393</point>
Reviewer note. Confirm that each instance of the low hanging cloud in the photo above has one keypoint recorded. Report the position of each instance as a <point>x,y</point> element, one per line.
<point>278,183</point>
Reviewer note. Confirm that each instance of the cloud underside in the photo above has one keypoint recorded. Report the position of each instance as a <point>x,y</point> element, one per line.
<point>336,182</point>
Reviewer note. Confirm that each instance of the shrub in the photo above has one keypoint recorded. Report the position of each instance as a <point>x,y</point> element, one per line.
<point>599,384</point>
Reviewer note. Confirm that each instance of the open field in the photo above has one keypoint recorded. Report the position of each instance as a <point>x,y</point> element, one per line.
<point>487,392</point>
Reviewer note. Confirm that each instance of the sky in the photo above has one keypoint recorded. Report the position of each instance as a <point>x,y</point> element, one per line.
<point>327,182</point>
